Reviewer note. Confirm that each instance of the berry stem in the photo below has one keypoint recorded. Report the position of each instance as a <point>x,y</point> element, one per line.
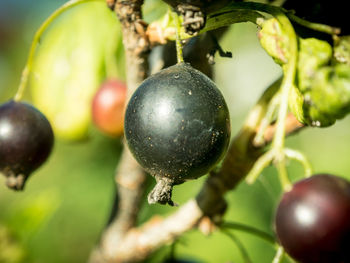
<point>179,54</point>
<point>273,10</point>
<point>240,246</point>
<point>265,122</point>
<point>259,110</point>
<point>250,230</point>
<point>260,165</point>
<point>289,70</point>
<point>28,67</point>
<point>314,26</point>
<point>279,255</point>
<point>283,174</point>
<point>300,157</point>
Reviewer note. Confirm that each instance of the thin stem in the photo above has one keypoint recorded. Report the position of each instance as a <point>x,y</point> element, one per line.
<point>314,26</point>
<point>266,121</point>
<point>273,9</point>
<point>180,58</point>
<point>259,110</point>
<point>283,175</point>
<point>250,230</point>
<point>239,245</point>
<point>28,67</point>
<point>300,157</point>
<point>289,70</point>
<point>260,165</point>
<point>279,255</point>
<point>287,82</point>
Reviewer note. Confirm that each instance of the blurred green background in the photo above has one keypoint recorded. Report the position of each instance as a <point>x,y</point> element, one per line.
<point>66,203</point>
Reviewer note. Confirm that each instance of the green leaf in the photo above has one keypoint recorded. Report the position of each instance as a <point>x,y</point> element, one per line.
<point>342,50</point>
<point>228,16</point>
<point>223,17</point>
<point>31,215</point>
<point>296,102</point>
<point>11,250</point>
<point>329,96</point>
<point>70,64</point>
<point>324,88</point>
<point>274,40</point>
<point>313,54</point>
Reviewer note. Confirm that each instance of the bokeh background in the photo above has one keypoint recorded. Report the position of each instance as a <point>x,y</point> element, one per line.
<point>67,202</point>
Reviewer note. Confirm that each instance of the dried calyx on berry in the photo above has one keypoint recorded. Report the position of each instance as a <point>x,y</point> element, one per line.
<point>26,140</point>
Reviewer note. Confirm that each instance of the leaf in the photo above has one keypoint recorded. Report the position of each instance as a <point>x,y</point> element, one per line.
<point>274,40</point>
<point>33,213</point>
<point>325,88</point>
<point>313,54</point>
<point>164,29</point>
<point>11,250</point>
<point>296,102</point>
<point>70,64</point>
<point>329,96</point>
<point>342,50</point>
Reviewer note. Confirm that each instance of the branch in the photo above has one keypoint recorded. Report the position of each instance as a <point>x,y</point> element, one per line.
<point>130,177</point>
<point>291,125</point>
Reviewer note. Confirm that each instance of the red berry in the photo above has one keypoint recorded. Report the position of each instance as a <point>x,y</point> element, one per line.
<point>313,220</point>
<point>108,107</point>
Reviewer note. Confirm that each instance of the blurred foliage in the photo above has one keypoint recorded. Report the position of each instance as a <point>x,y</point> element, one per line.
<point>11,250</point>
<point>321,93</point>
<point>66,203</point>
<point>80,49</point>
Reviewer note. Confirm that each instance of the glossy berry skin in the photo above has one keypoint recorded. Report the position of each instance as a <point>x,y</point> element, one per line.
<point>108,107</point>
<point>177,124</point>
<point>313,220</point>
<point>26,140</point>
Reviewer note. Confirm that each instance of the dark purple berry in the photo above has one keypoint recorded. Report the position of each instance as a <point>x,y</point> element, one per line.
<point>313,220</point>
<point>177,126</point>
<point>26,140</point>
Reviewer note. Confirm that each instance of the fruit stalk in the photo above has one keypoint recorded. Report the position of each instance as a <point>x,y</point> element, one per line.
<point>243,251</point>
<point>287,82</point>
<point>180,58</point>
<point>279,255</point>
<point>249,229</point>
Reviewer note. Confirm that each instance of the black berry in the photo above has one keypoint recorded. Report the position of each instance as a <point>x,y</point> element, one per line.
<point>313,220</point>
<point>26,140</point>
<point>177,126</point>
